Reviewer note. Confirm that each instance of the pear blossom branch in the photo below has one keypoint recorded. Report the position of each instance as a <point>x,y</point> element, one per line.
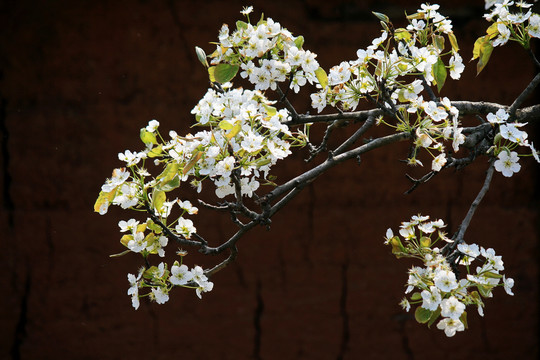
<point>460,234</point>
<point>330,162</point>
<point>529,113</point>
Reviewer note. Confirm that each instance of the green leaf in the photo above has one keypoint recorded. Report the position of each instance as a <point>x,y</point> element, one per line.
<point>196,157</point>
<point>402,34</point>
<point>453,41</point>
<point>270,110</point>
<point>492,31</point>
<point>224,72</point>
<point>211,73</point>
<point>125,239</point>
<point>156,151</point>
<point>434,316</point>
<point>104,197</point>
<point>241,25</point>
<point>299,41</point>
<point>439,74</point>
<point>422,315</point>
<point>425,241</point>
<point>492,275</point>
<point>482,51</point>
<point>322,77</point>
<point>438,41</point>
<point>397,246</point>
<point>170,185</point>
<point>463,319</point>
<point>158,199</point>
<point>148,137</point>
<point>171,170</point>
<point>381,16</point>
<point>225,125</point>
<point>235,130</point>
<point>416,296</point>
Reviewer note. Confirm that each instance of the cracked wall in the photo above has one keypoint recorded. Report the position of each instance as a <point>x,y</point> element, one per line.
<point>78,80</point>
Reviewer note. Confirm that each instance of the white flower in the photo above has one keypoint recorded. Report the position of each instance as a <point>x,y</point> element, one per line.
<point>204,287</point>
<point>456,66</point>
<point>134,288</point>
<point>130,158</point>
<point>187,206</point>
<point>118,177</point>
<point>128,225</point>
<point>180,275</point>
<point>445,280</point>
<point>318,100</point>
<point>508,284</point>
<point>534,26</point>
<point>198,275</point>
<point>494,261</point>
<point>452,308</point>
<point>152,126</point>
<point>246,10</point>
<point>431,299</point>
<point>405,304</point>
<point>185,227</point>
<point>504,35</point>
<point>499,117</point>
<point>160,295</point>
<point>438,162</point>
<point>137,244</point>
<point>507,164</point>
<point>534,152</point>
<point>450,326</point>
<point>511,132</point>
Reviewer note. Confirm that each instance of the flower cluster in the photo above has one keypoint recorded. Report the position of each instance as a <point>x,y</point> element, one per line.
<point>436,288</point>
<point>242,137</point>
<point>382,68</point>
<point>159,280</point>
<point>395,76</point>
<point>508,138</point>
<point>267,54</point>
<point>512,21</point>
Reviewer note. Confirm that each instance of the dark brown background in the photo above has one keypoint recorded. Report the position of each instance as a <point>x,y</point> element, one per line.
<point>78,81</point>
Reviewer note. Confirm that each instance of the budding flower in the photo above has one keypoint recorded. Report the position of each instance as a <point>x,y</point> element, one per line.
<point>201,55</point>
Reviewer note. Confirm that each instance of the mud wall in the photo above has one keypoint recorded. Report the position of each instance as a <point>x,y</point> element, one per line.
<point>78,81</point>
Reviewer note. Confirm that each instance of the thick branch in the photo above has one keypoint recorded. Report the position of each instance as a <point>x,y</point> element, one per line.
<point>310,175</point>
<point>464,107</point>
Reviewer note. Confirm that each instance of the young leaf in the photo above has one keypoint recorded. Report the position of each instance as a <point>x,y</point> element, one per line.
<point>299,41</point>
<point>438,41</point>
<point>104,197</point>
<point>463,319</point>
<point>148,137</point>
<point>422,315</point>
<point>158,199</point>
<point>482,51</point>
<point>434,316</point>
<point>196,157</point>
<point>439,74</point>
<point>234,131</point>
<point>225,125</point>
<point>322,77</point>
<point>156,151</point>
<point>453,41</point>
<point>381,16</point>
<point>225,72</point>
<point>211,73</point>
